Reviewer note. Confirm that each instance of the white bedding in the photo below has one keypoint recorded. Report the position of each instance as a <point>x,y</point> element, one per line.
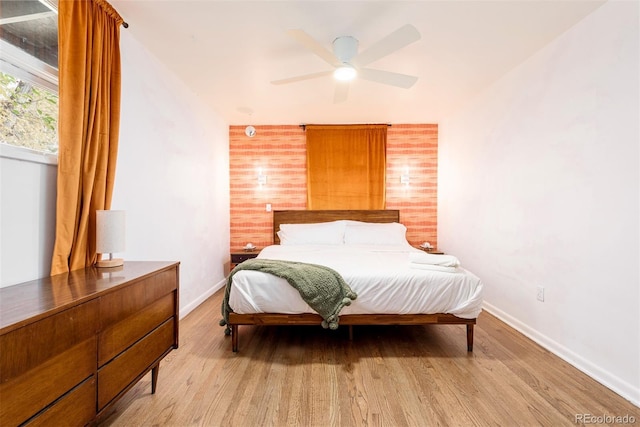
<point>382,277</point>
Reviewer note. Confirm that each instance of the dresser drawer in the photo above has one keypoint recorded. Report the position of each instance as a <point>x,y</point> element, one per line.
<point>41,361</point>
<point>77,408</point>
<point>116,376</point>
<point>131,299</point>
<point>30,392</point>
<point>119,336</point>
<point>33,344</point>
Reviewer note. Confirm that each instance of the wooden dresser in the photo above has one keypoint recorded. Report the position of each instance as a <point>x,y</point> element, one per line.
<point>72,344</point>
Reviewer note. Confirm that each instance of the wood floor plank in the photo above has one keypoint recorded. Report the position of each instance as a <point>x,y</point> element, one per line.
<point>387,376</point>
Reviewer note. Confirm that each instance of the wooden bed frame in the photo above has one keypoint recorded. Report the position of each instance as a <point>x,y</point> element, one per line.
<point>310,216</point>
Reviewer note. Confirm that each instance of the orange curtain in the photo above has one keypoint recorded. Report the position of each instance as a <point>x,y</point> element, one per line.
<point>346,166</point>
<point>88,126</point>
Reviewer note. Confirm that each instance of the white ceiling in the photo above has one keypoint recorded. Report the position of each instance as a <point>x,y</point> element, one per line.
<point>228,52</point>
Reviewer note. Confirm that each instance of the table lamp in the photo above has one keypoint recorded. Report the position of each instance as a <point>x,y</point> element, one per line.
<point>110,233</point>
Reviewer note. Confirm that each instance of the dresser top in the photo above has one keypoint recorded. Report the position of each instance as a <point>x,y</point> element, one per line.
<point>32,300</point>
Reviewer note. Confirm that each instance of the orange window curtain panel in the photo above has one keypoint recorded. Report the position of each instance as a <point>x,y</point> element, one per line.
<point>88,126</point>
<point>346,166</point>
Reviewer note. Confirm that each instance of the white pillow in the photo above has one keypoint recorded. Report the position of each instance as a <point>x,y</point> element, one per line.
<point>322,233</point>
<point>368,233</point>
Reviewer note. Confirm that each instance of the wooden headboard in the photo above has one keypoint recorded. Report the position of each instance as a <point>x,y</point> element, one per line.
<point>309,217</point>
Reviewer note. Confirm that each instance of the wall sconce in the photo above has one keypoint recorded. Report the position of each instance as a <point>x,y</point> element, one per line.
<point>404,178</point>
<point>110,237</point>
<point>262,179</point>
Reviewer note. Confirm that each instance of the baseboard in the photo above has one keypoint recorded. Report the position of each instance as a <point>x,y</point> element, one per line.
<point>619,386</point>
<point>193,304</point>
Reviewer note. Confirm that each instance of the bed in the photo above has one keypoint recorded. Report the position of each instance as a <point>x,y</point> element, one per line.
<point>373,257</point>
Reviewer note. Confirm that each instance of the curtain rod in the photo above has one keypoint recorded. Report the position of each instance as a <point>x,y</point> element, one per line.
<point>304,126</point>
<point>108,9</point>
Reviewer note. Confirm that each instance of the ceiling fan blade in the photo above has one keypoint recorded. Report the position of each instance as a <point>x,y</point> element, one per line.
<point>302,77</point>
<point>387,77</point>
<point>400,38</point>
<point>341,93</point>
<point>310,43</point>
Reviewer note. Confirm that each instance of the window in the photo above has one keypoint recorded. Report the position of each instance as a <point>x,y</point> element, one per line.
<point>29,75</point>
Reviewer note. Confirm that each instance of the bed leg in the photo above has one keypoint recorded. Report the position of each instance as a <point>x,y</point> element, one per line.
<point>234,338</point>
<point>469,336</point>
<point>350,332</point>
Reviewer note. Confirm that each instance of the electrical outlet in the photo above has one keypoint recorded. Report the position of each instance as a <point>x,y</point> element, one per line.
<point>540,295</point>
<point>268,207</point>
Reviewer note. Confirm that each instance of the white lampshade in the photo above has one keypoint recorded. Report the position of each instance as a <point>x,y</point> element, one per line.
<point>110,236</point>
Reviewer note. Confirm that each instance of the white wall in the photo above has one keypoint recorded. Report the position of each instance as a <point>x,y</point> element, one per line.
<point>539,186</point>
<point>27,217</point>
<point>172,177</point>
<point>172,180</point>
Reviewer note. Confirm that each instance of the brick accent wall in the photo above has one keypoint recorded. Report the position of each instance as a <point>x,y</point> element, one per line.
<point>414,147</point>
<point>279,151</point>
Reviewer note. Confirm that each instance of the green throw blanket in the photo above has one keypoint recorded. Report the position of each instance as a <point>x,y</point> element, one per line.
<point>321,287</point>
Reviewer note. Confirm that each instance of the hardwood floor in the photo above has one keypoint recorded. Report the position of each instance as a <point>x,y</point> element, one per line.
<point>387,376</point>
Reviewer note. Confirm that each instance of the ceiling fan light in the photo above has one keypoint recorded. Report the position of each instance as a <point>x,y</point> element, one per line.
<point>345,73</point>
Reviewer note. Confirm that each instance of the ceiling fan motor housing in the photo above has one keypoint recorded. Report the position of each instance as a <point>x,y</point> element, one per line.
<point>345,49</point>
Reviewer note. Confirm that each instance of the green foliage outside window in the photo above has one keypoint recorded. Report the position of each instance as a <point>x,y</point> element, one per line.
<point>28,115</point>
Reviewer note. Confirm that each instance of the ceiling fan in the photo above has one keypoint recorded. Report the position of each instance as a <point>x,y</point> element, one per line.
<point>347,62</point>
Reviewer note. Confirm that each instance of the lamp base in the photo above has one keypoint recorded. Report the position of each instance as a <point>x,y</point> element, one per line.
<point>115,262</point>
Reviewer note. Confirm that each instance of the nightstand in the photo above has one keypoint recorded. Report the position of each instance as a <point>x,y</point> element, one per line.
<point>240,256</point>
<point>432,251</point>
